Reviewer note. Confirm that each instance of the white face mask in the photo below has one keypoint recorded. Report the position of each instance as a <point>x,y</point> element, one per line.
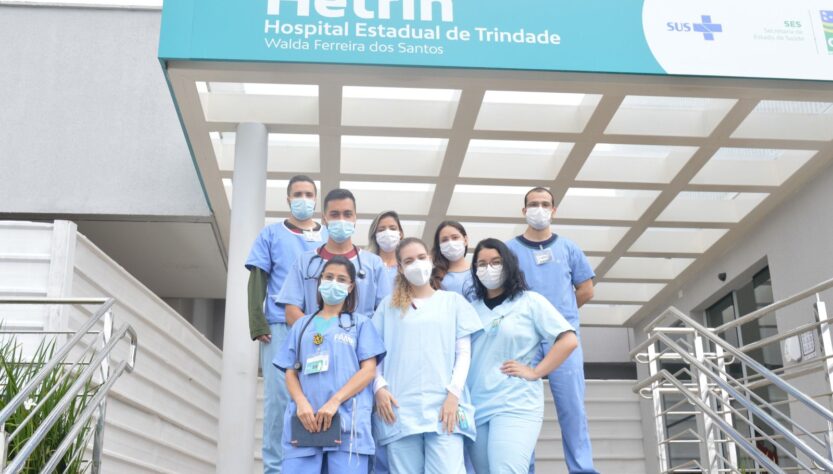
<point>388,240</point>
<point>453,250</point>
<point>419,272</point>
<point>538,217</point>
<point>491,276</point>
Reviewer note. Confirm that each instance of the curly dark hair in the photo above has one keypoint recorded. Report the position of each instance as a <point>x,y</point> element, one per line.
<point>514,282</point>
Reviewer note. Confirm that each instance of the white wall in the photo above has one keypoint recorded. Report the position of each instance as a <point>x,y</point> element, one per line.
<point>87,125</point>
<point>163,416</point>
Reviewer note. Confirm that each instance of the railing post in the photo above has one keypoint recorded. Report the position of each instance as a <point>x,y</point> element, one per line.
<point>3,446</point>
<point>708,449</point>
<point>731,449</point>
<point>820,310</point>
<point>98,440</point>
<point>659,420</point>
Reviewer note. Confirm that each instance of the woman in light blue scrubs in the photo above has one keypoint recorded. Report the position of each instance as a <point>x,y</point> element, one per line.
<point>330,359</point>
<point>384,235</point>
<point>452,272</point>
<point>423,409</point>
<point>506,388</point>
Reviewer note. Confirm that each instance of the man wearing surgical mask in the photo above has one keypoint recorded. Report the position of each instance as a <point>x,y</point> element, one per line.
<point>272,255</point>
<point>558,269</point>
<point>300,288</point>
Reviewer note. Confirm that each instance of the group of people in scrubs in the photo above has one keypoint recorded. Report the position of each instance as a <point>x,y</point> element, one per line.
<point>423,359</point>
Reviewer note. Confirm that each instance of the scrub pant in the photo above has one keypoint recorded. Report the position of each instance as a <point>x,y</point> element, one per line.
<point>504,445</point>
<point>275,399</point>
<point>567,386</point>
<point>427,453</point>
<point>331,462</point>
<point>380,461</point>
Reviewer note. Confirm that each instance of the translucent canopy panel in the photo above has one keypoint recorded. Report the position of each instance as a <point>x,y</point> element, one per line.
<point>589,238</point>
<point>405,198</point>
<point>392,155</point>
<point>606,314</point>
<point>503,159</point>
<point>752,166</point>
<point>788,120</point>
<point>275,195</point>
<point>609,204</point>
<point>505,201</point>
<point>626,292</point>
<point>595,261</point>
<point>635,163</point>
<point>399,107</point>
<point>286,153</point>
<point>648,268</point>
<point>295,104</point>
<point>669,116</point>
<point>536,111</point>
<point>711,207</point>
<point>410,228</point>
<point>676,240</point>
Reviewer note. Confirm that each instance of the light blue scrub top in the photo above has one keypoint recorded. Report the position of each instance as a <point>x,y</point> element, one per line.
<point>528,320</point>
<point>274,251</point>
<point>557,278</point>
<point>420,361</point>
<point>301,285</point>
<point>460,283</point>
<point>391,275</point>
<point>347,348</point>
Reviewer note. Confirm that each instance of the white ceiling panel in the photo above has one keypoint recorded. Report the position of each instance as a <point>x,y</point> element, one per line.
<point>677,240</point>
<point>717,207</point>
<point>752,166</point>
<point>635,163</point>
<point>626,292</point>
<point>669,116</point>
<point>649,268</point>
<point>610,204</point>
<point>392,155</point>
<point>503,159</point>
<point>405,198</point>
<point>606,315</point>
<point>788,120</point>
<point>536,111</point>
<point>399,107</point>
<point>287,153</point>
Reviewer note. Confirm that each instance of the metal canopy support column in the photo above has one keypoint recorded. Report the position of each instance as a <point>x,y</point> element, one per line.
<point>238,398</point>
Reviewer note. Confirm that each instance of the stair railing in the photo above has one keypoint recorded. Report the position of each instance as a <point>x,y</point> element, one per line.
<point>87,356</point>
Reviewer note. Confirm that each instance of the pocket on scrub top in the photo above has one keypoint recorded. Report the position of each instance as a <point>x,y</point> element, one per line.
<point>384,433</point>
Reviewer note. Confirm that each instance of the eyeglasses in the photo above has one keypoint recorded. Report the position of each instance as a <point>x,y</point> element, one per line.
<point>495,262</point>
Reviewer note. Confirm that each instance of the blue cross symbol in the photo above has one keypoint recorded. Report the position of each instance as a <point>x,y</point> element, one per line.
<point>708,28</point>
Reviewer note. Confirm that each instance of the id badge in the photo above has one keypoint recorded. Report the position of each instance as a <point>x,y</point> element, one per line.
<point>317,364</point>
<point>543,256</point>
<point>312,236</point>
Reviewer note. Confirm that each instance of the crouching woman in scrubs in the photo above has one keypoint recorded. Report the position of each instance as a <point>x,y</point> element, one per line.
<point>506,388</point>
<point>423,407</point>
<point>330,359</point>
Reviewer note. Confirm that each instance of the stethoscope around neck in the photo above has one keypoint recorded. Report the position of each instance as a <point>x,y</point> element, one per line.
<point>297,366</point>
<point>314,276</point>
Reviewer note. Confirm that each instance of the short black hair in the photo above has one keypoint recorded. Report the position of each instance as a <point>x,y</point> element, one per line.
<point>337,195</point>
<point>514,282</point>
<point>300,178</point>
<point>349,304</point>
<point>539,189</point>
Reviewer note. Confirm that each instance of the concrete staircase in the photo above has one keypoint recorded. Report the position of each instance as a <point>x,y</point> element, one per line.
<point>615,428</point>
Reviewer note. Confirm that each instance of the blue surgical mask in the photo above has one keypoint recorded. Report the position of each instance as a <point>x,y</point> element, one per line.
<point>302,208</point>
<point>333,292</point>
<point>340,230</point>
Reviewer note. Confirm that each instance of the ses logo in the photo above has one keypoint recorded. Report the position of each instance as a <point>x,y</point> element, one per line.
<point>827,26</point>
<point>705,27</point>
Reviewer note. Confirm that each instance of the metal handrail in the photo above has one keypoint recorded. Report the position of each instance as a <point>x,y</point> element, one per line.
<point>755,365</point>
<point>728,429</point>
<point>99,361</point>
<point>754,409</point>
<point>23,395</point>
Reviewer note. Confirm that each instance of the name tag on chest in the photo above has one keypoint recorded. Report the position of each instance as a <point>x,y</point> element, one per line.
<point>317,364</point>
<point>543,256</point>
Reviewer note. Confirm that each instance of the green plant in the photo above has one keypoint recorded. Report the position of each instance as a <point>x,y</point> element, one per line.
<point>16,371</point>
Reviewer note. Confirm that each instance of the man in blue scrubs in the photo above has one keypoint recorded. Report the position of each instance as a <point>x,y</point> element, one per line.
<point>272,255</point>
<point>558,269</point>
<point>301,286</point>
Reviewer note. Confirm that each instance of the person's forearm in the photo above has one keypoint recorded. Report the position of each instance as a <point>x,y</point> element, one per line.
<point>258,325</point>
<point>358,382</point>
<point>293,386</point>
<point>584,293</point>
<point>563,347</point>
<point>293,313</point>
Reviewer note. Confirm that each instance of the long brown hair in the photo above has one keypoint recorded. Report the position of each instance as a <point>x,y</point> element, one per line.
<point>372,245</point>
<point>441,263</point>
<point>403,291</point>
